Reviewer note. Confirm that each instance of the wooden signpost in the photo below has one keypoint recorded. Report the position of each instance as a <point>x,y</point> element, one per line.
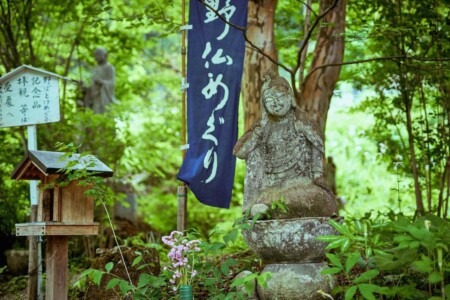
<point>63,211</point>
<point>30,96</point>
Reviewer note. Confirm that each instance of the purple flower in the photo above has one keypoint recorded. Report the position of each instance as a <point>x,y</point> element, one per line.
<point>181,256</point>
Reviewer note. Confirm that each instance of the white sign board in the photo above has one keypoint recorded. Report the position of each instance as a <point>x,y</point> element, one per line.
<point>28,97</point>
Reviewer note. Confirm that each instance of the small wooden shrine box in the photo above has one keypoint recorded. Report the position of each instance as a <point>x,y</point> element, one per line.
<point>62,210</point>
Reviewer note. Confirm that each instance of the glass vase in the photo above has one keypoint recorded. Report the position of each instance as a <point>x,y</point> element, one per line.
<point>185,292</point>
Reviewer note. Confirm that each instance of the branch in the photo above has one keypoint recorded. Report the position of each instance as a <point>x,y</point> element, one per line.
<point>244,32</point>
<point>27,17</point>
<point>308,35</point>
<point>305,50</point>
<point>309,7</point>
<point>395,57</point>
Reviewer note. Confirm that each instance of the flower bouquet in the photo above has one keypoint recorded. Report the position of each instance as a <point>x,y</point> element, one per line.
<point>182,258</point>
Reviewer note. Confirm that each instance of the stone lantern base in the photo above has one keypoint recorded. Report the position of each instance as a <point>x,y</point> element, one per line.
<point>296,281</point>
<point>293,255</point>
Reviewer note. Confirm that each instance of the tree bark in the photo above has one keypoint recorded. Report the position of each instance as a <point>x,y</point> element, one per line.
<point>318,88</point>
<point>260,31</point>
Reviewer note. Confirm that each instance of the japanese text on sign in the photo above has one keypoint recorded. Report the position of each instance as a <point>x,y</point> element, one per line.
<point>215,82</point>
<point>28,99</point>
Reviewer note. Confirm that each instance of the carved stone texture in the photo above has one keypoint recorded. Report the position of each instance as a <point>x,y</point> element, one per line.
<point>296,282</point>
<point>289,241</point>
<point>101,93</point>
<point>284,156</point>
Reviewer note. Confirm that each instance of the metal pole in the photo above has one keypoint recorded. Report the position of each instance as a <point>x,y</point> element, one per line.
<point>35,255</point>
<point>182,190</point>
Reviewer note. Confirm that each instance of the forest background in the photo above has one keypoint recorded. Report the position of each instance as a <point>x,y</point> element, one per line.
<point>387,127</point>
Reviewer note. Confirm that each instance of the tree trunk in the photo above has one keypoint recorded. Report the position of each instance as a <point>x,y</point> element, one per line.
<point>318,87</point>
<point>260,31</point>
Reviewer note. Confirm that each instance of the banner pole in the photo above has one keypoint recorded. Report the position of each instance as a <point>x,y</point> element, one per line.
<point>182,190</point>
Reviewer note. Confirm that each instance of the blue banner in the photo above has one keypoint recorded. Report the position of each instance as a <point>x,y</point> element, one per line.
<point>214,71</point>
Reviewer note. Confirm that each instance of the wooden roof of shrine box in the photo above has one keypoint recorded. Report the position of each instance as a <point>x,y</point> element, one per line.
<point>39,164</point>
<point>62,210</point>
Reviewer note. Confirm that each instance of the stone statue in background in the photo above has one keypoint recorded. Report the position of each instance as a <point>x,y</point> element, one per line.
<point>101,92</point>
<point>284,157</point>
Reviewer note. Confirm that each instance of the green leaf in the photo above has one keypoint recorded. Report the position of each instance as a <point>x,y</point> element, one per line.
<point>424,265</point>
<point>216,246</point>
<point>140,267</point>
<point>442,246</point>
<point>328,238</point>
<point>97,276</point>
<point>435,277</point>
<point>144,279</point>
<point>350,293</point>
<point>124,287</point>
<point>231,236</point>
<point>109,267</point>
<point>414,245</point>
<point>210,282</point>
<point>225,269</point>
<point>340,227</point>
<point>263,278</point>
<point>351,261</point>
<point>367,290</point>
<point>345,246</point>
<point>136,260</point>
<point>358,226</point>
<point>366,276</point>
<point>112,283</point>
<point>330,271</point>
<point>336,243</point>
<point>86,272</point>
<point>243,280</point>
<point>447,289</point>
<point>402,238</point>
<point>334,260</point>
<point>249,288</point>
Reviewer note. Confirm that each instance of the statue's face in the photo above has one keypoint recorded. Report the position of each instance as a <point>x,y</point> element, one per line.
<point>277,103</point>
<point>100,55</point>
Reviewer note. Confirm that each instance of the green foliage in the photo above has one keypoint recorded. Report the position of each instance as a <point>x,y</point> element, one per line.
<point>13,286</point>
<point>394,257</point>
<point>363,174</point>
<point>410,84</point>
<point>14,199</point>
<point>139,137</point>
<point>216,264</point>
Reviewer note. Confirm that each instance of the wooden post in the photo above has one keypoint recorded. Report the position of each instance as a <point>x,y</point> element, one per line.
<point>182,208</point>
<point>182,190</point>
<point>57,267</point>
<point>32,259</point>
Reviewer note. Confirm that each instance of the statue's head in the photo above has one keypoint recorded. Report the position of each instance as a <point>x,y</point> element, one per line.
<point>277,96</point>
<point>100,54</point>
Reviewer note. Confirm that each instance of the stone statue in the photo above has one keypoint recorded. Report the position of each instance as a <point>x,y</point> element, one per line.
<point>284,157</point>
<point>101,93</point>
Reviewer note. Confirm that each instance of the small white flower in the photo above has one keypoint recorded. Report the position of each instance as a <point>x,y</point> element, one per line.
<point>383,148</point>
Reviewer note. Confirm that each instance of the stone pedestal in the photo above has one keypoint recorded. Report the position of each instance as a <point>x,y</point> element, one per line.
<point>296,281</point>
<point>292,254</point>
